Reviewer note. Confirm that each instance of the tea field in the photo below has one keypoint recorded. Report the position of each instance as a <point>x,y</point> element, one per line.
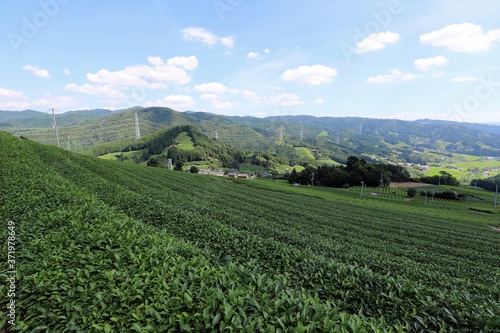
<point>105,246</point>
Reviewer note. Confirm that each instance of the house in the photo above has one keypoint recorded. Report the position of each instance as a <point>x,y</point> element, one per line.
<point>232,174</point>
<point>242,175</point>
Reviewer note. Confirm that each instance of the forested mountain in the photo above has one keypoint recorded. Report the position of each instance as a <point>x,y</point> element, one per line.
<point>30,118</point>
<point>328,137</point>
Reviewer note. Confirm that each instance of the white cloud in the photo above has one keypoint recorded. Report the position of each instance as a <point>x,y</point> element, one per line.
<point>286,99</point>
<point>62,102</point>
<point>66,71</point>
<point>463,79</point>
<point>208,96</point>
<point>199,34</point>
<point>37,71</point>
<point>319,101</point>
<point>426,63</point>
<point>223,105</point>
<point>11,93</point>
<point>99,90</point>
<point>253,55</point>
<point>206,37</point>
<point>175,102</point>
<point>464,37</point>
<point>10,105</point>
<point>376,41</point>
<point>251,96</point>
<point>312,75</point>
<point>188,63</point>
<point>154,76</point>
<point>155,60</point>
<point>124,77</point>
<point>267,51</point>
<point>394,74</point>
<point>212,87</point>
<point>227,41</point>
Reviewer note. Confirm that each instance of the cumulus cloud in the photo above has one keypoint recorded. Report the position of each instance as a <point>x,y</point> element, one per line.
<point>175,102</point>
<point>14,105</point>
<point>251,95</point>
<point>60,101</point>
<point>426,63</point>
<point>376,41</point>
<point>319,101</point>
<point>463,79</point>
<point>154,76</point>
<point>394,75</point>
<point>227,41</point>
<point>96,90</point>
<point>11,93</point>
<point>223,105</point>
<point>155,60</point>
<point>253,55</point>
<point>206,37</point>
<point>188,63</point>
<point>464,37</point>
<point>286,99</point>
<point>66,71</point>
<point>267,51</point>
<point>37,71</point>
<point>212,87</point>
<point>208,96</point>
<point>311,75</point>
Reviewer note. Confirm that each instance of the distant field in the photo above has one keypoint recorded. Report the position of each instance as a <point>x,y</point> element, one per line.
<point>304,152</point>
<point>328,161</point>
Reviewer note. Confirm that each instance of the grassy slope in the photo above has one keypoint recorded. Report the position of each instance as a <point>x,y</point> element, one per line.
<point>304,152</point>
<point>185,141</point>
<point>372,257</point>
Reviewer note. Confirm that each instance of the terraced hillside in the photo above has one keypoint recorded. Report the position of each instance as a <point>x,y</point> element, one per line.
<point>104,246</point>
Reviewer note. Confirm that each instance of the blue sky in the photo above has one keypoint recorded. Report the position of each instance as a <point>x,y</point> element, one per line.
<point>379,59</point>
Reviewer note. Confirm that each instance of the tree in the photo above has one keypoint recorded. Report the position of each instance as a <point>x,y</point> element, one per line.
<point>153,162</point>
<point>178,166</point>
<point>411,192</point>
<point>194,169</point>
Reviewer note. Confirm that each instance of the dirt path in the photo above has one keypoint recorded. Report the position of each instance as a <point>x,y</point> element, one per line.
<point>495,228</point>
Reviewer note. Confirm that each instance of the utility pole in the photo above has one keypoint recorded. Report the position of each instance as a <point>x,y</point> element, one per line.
<point>137,129</point>
<point>361,192</point>
<point>216,135</point>
<point>361,128</point>
<point>54,125</point>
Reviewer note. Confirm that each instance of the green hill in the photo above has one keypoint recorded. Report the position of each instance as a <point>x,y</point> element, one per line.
<point>113,247</point>
<point>330,140</point>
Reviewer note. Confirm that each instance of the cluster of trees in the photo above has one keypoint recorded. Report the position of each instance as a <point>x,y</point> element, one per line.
<point>447,195</point>
<point>488,183</point>
<point>444,178</point>
<point>353,173</point>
